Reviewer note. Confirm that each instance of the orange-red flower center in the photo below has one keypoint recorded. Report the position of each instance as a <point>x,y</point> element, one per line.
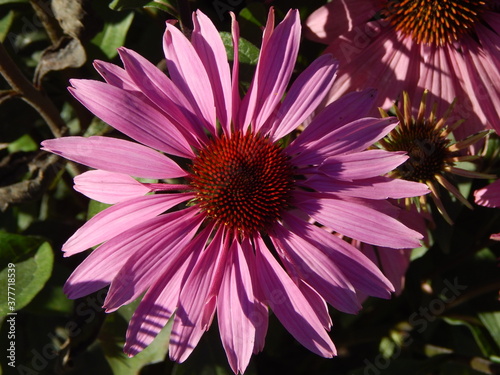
<point>437,22</point>
<point>242,181</point>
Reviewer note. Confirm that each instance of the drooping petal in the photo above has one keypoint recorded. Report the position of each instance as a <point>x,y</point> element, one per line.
<point>363,274</point>
<point>187,328</point>
<point>142,268</point>
<point>289,304</point>
<point>160,301</point>
<point>189,75</point>
<point>360,165</point>
<point>103,264</point>
<point>208,44</point>
<point>131,114</point>
<point>356,219</point>
<point>120,218</point>
<point>372,188</point>
<point>109,187</point>
<point>115,155</point>
<point>235,306</point>
<point>235,83</point>
<point>306,93</point>
<point>353,137</point>
<point>318,270</point>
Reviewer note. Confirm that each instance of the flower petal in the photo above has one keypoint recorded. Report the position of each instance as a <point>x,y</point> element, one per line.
<point>235,306</point>
<point>306,93</point>
<point>488,196</point>
<point>120,218</point>
<point>109,187</point>
<point>152,257</point>
<point>188,329</point>
<point>208,44</point>
<point>358,220</point>
<point>189,75</point>
<point>131,114</point>
<point>115,155</point>
<point>317,269</point>
<point>160,301</point>
<point>360,165</point>
<point>115,76</point>
<point>274,69</point>
<point>289,304</point>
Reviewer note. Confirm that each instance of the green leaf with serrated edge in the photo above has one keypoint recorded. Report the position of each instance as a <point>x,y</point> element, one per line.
<point>113,35</point>
<point>5,24</point>
<point>23,279</point>
<point>491,321</point>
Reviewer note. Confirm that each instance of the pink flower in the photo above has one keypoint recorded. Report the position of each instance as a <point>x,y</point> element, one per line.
<point>231,227</point>
<point>398,46</point>
<point>489,196</point>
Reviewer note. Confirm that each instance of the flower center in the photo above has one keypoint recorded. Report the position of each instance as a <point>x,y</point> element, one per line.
<point>243,182</point>
<point>426,147</point>
<point>437,22</point>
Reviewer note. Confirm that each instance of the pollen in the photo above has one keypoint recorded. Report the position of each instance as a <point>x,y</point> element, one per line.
<point>436,22</point>
<point>242,181</point>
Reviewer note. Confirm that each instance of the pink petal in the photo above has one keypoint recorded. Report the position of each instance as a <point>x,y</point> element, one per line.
<point>274,69</point>
<point>161,90</point>
<point>361,165</point>
<point>115,76</point>
<point>208,44</point>
<point>488,196</point>
<point>188,329</point>
<point>306,93</point>
<point>289,304</point>
<point>190,76</point>
<point>102,265</point>
<point>235,84</point>
<point>259,316</point>
<point>362,273</point>
<point>348,108</point>
<point>115,155</point>
<point>317,269</point>
<point>235,307</point>
<point>152,257</point>
<point>353,137</point>
<point>120,218</point>
<point>355,219</point>
<point>131,114</point>
<point>339,16</point>
<point>160,301</point>
<point>372,188</point>
<point>109,187</point>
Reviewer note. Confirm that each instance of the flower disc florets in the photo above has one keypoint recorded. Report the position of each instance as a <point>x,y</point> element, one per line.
<point>435,22</point>
<point>242,181</point>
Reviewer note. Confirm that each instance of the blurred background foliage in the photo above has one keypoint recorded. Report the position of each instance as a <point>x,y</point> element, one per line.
<point>446,321</point>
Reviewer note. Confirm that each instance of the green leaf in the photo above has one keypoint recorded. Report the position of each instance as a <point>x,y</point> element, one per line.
<point>5,24</point>
<point>248,53</point>
<point>113,35</point>
<point>2,2</point>
<point>26,266</point>
<point>482,340</point>
<point>127,4</point>
<point>25,143</point>
<point>491,321</point>
<point>95,207</point>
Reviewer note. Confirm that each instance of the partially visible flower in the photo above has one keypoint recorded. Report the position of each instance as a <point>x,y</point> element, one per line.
<point>450,47</point>
<point>432,152</point>
<point>489,196</point>
<point>234,233</point>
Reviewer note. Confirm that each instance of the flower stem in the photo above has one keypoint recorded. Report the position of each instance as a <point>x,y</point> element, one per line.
<point>41,103</point>
<point>185,17</point>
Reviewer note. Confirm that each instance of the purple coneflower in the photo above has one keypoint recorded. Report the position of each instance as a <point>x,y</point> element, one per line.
<point>237,223</point>
<point>449,47</point>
